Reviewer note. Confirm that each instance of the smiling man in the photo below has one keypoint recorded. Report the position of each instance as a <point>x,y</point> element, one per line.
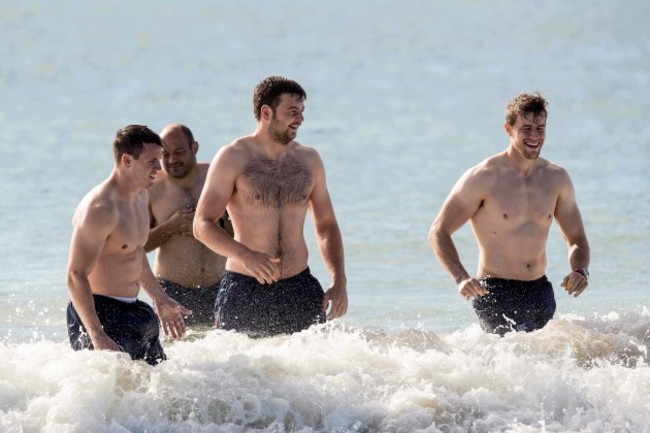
<point>511,199</point>
<point>187,270</point>
<point>268,181</point>
<point>107,266</point>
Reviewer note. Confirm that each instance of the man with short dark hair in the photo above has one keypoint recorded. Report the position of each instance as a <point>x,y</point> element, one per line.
<point>268,181</point>
<point>107,266</point>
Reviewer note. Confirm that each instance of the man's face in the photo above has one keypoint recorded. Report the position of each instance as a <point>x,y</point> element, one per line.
<point>286,118</point>
<point>528,133</point>
<point>148,164</point>
<point>179,156</point>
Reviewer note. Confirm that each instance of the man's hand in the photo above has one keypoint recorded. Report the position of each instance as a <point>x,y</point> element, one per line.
<point>180,222</point>
<point>171,315</point>
<point>264,268</point>
<point>338,295</point>
<point>575,283</point>
<point>102,341</point>
<point>471,288</point>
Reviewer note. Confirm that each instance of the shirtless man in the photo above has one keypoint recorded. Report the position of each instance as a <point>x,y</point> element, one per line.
<point>107,264</point>
<point>511,199</point>
<point>187,270</point>
<point>268,181</point>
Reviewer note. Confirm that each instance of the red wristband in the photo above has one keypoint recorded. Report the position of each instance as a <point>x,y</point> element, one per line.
<point>583,271</point>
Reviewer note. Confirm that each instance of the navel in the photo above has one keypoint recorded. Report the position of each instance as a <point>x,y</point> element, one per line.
<point>124,246</point>
<point>505,216</point>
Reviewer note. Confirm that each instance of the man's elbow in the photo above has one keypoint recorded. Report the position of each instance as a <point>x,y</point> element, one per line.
<point>74,276</point>
<point>436,232</point>
<point>328,230</point>
<point>198,229</point>
<point>149,246</point>
<point>580,243</point>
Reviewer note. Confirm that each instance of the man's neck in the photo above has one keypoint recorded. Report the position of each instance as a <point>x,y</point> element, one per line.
<point>123,185</point>
<point>270,148</point>
<point>518,162</point>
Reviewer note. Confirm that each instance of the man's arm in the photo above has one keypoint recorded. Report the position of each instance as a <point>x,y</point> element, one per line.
<point>330,244</point>
<point>216,193</point>
<point>463,202</point>
<point>569,220</point>
<point>91,228</point>
<point>169,311</point>
<point>179,223</point>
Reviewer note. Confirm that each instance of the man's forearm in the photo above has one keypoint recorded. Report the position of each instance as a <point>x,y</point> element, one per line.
<point>579,255</point>
<point>218,240</point>
<point>331,249</point>
<point>84,304</point>
<point>157,236</point>
<point>447,254</point>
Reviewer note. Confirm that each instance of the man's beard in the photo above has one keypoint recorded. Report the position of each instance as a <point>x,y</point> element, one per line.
<point>180,172</point>
<point>277,134</point>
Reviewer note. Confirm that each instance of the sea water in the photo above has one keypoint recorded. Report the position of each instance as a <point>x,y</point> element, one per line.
<point>403,97</point>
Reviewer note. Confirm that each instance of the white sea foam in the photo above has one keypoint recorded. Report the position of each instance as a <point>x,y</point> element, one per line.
<point>575,375</point>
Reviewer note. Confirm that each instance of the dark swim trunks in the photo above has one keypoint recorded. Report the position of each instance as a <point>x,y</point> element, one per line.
<point>263,310</point>
<point>198,299</point>
<point>134,326</point>
<point>514,305</point>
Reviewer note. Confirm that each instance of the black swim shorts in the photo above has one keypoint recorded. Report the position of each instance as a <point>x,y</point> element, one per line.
<point>198,299</point>
<point>262,310</point>
<point>134,326</point>
<point>514,305</point>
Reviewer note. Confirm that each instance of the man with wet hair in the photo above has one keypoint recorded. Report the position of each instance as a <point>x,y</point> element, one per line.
<point>511,200</point>
<point>268,181</point>
<point>107,266</point>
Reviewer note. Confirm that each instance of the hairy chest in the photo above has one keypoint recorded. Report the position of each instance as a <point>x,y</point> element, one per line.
<point>276,183</point>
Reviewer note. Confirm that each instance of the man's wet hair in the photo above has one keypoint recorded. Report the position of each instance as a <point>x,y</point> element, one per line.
<point>525,103</point>
<point>131,140</point>
<point>269,91</point>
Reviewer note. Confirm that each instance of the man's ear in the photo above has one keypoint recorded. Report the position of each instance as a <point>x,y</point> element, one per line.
<point>126,160</point>
<point>266,112</point>
<point>508,128</point>
<point>194,147</point>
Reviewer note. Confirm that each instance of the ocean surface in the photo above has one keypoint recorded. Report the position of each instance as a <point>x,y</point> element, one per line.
<point>403,97</point>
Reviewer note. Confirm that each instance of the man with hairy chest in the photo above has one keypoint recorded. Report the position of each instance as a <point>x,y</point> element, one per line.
<point>267,181</point>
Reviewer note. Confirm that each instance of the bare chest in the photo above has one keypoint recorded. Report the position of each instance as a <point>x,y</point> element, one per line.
<point>132,229</point>
<point>517,200</point>
<point>170,198</point>
<point>276,184</point>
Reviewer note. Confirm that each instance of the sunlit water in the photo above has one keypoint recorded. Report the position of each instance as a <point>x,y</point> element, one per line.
<point>403,97</point>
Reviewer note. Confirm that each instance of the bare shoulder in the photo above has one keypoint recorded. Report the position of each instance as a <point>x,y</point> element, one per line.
<point>553,169</point>
<point>307,154</point>
<point>241,147</point>
<point>553,173</point>
<point>484,173</point>
<point>98,208</point>
<point>202,171</point>
<point>235,155</point>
